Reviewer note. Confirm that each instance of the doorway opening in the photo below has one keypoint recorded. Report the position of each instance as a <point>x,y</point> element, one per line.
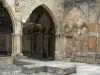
<point>39,35</point>
<point>5,32</point>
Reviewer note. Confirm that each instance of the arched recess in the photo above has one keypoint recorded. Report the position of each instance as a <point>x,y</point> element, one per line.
<point>74,15</point>
<point>75,34</point>
<point>39,34</point>
<point>7,23</point>
<point>84,45</point>
<point>10,12</point>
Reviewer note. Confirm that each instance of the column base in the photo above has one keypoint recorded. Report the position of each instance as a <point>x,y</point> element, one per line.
<point>58,56</point>
<point>17,56</point>
<point>13,58</point>
<point>21,54</point>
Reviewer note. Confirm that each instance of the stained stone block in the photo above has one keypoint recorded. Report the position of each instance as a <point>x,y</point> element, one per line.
<point>61,70</point>
<point>91,55</point>
<point>81,58</point>
<point>29,69</point>
<point>43,73</point>
<point>98,58</point>
<point>98,55</point>
<point>90,60</point>
<point>97,61</point>
<point>78,59</point>
<point>84,59</point>
<point>20,63</point>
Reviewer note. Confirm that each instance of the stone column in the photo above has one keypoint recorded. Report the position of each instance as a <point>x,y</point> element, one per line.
<point>58,47</point>
<point>16,46</point>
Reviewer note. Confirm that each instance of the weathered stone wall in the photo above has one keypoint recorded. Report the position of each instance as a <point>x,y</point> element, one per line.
<point>82,11</point>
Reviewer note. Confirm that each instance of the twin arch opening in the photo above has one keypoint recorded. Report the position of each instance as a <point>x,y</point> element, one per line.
<point>38,34</point>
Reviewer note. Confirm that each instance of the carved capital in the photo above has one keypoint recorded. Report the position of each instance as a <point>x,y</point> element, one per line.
<point>16,35</point>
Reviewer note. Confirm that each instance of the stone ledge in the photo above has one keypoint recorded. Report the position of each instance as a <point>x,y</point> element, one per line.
<point>89,55</point>
<point>31,66</point>
<point>60,71</point>
<point>30,69</point>
<point>20,63</point>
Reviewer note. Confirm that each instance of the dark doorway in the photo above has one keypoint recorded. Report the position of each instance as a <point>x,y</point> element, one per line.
<point>5,32</point>
<point>39,35</point>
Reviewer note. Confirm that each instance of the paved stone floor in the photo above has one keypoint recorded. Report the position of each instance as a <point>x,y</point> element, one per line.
<point>88,70</point>
<point>6,68</point>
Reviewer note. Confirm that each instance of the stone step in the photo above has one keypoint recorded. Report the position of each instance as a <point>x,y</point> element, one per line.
<point>78,74</point>
<point>43,73</point>
<point>20,63</point>
<point>32,69</point>
<point>30,66</point>
<point>59,70</point>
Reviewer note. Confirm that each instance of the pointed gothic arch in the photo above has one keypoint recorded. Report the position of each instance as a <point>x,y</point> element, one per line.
<point>7,25</point>
<point>42,42</point>
<point>10,12</point>
<point>69,15</point>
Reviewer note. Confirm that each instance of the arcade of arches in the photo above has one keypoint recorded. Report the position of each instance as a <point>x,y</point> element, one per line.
<point>75,36</point>
<point>38,39</point>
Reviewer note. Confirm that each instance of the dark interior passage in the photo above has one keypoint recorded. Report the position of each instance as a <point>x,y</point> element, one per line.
<point>39,35</point>
<point>5,32</point>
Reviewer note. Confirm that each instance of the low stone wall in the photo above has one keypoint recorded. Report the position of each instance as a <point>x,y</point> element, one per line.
<point>88,58</point>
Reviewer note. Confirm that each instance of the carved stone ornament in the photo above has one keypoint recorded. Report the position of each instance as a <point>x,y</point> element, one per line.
<point>17,9</point>
<point>67,31</point>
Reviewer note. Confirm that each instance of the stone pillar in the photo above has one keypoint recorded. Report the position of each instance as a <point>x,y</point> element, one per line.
<point>16,46</point>
<point>58,47</point>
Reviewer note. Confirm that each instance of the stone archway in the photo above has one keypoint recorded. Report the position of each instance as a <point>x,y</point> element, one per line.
<point>7,23</point>
<point>10,12</point>
<point>39,33</point>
